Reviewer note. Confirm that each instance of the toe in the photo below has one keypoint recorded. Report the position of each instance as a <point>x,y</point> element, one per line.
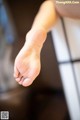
<point>17,79</point>
<point>21,81</point>
<point>27,82</point>
<point>16,72</point>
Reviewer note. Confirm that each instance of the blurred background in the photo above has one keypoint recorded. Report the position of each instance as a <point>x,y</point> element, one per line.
<point>44,99</point>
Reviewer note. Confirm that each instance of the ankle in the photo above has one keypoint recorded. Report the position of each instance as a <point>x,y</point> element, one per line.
<point>36,38</point>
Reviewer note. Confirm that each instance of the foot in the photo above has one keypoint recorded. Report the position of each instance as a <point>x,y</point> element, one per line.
<point>27,63</point>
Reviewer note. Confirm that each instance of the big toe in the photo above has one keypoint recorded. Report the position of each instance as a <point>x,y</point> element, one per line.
<point>27,82</point>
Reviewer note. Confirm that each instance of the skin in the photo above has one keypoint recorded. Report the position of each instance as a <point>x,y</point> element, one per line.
<point>27,63</point>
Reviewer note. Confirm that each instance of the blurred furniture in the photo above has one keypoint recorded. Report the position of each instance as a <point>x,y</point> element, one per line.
<point>66,40</point>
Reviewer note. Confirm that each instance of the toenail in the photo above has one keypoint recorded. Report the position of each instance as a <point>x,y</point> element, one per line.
<point>27,82</point>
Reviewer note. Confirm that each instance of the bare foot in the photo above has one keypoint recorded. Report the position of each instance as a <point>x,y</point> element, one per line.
<point>27,63</point>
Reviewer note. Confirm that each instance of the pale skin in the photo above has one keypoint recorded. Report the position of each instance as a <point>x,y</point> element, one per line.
<point>27,63</point>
